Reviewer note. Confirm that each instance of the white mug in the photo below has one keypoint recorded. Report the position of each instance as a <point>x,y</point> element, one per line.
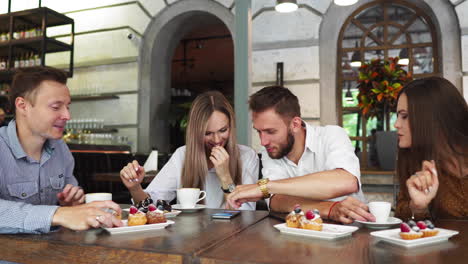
<point>91,197</point>
<point>381,211</point>
<point>188,197</point>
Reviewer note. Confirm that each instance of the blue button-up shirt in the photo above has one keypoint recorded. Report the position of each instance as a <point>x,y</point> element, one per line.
<point>28,188</point>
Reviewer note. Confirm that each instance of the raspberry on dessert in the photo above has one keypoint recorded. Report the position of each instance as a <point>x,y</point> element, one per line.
<point>152,207</point>
<point>405,228</point>
<point>421,225</point>
<point>133,210</point>
<point>309,215</point>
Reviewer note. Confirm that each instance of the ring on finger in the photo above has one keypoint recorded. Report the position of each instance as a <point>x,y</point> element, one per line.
<point>98,218</point>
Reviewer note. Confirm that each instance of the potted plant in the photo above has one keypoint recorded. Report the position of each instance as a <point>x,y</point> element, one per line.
<point>380,82</point>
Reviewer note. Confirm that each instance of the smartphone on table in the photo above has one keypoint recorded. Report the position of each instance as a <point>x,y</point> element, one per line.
<point>227,214</point>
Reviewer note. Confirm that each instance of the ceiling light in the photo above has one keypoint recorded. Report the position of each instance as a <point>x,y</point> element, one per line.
<point>345,2</point>
<point>404,59</point>
<point>356,58</point>
<point>286,6</point>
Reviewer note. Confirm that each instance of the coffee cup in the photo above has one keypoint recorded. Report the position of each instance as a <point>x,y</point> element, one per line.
<point>91,197</point>
<point>381,211</point>
<point>188,197</point>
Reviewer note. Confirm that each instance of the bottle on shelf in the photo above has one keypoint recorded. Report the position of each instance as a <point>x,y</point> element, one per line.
<point>3,63</point>
<point>37,60</point>
<point>32,62</point>
<point>21,61</point>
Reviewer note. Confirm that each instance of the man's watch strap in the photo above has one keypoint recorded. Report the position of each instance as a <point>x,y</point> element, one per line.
<point>263,188</point>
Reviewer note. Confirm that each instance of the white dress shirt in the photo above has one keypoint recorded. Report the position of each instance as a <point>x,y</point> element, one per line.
<point>326,148</point>
<point>168,180</point>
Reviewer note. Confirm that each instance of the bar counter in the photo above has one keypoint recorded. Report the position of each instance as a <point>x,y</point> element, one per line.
<point>248,238</point>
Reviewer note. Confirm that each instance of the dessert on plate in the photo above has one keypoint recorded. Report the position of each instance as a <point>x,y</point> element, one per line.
<point>410,232</point>
<point>155,215</point>
<point>294,217</point>
<point>136,217</point>
<point>311,221</point>
<point>427,228</point>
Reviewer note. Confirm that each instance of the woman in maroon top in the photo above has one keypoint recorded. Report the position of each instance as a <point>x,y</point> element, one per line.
<point>432,164</point>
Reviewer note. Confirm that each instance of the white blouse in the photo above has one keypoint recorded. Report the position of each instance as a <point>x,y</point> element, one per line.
<point>168,180</point>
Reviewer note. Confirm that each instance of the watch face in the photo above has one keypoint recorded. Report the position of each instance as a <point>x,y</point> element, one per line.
<point>231,187</point>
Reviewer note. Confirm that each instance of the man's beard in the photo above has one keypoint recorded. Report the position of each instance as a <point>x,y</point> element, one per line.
<point>284,149</point>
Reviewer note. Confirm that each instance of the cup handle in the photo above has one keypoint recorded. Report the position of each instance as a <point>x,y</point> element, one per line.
<point>203,197</point>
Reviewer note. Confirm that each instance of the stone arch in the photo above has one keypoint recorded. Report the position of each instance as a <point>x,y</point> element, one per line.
<point>160,39</point>
<point>449,49</point>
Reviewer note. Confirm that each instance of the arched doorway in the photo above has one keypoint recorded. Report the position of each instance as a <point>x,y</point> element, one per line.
<point>160,41</point>
<point>203,61</point>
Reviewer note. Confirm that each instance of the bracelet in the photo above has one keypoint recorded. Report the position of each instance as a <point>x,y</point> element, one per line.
<point>143,205</point>
<point>331,207</point>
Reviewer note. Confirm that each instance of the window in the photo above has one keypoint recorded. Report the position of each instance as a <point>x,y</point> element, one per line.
<point>380,29</point>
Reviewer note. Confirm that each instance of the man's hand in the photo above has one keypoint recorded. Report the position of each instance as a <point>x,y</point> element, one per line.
<point>244,193</point>
<point>423,186</point>
<point>351,209</point>
<point>86,216</point>
<point>71,195</point>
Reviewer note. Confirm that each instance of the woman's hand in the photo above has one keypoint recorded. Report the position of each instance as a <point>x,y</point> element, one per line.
<point>220,159</point>
<point>423,186</point>
<point>132,175</point>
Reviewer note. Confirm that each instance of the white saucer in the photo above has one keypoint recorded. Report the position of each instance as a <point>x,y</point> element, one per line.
<point>188,210</point>
<point>391,221</point>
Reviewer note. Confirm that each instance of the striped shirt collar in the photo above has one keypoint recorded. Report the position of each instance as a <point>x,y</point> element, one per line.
<point>15,146</point>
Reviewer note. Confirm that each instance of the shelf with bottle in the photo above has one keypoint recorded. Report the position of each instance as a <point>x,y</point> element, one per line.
<point>21,33</point>
<point>23,38</point>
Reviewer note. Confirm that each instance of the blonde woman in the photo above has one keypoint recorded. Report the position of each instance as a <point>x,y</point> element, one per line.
<point>212,160</point>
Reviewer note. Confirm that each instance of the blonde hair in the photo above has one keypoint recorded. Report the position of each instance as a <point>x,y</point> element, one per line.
<point>195,166</point>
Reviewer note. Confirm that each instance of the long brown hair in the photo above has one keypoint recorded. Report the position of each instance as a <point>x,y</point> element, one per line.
<point>438,120</point>
<point>195,165</point>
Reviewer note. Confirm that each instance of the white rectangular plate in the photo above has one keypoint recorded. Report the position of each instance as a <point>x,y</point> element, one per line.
<point>126,229</point>
<point>393,236</point>
<point>328,232</point>
<point>171,214</point>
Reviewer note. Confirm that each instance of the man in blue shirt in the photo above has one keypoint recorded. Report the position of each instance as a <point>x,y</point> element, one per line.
<point>36,166</point>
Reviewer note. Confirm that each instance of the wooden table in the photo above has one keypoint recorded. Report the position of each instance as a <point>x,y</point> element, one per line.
<point>262,243</point>
<point>248,238</point>
<point>191,234</point>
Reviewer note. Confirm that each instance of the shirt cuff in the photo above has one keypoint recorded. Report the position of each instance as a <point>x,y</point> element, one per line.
<point>39,218</point>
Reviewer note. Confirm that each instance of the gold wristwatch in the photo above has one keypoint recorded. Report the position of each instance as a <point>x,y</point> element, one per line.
<point>263,188</point>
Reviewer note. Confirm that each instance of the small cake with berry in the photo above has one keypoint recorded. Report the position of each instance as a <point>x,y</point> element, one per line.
<point>166,206</point>
<point>136,217</point>
<point>312,220</point>
<point>410,233</point>
<point>427,228</point>
<point>155,215</point>
<point>293,218</point>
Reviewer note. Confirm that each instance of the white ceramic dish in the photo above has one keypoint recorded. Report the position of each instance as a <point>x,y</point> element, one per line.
<point>391,221</point>
<point>188,210</point>
<point>329,231</point>
<point>127,229</point>
<point>172,214</point>
<point>393,236</point>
